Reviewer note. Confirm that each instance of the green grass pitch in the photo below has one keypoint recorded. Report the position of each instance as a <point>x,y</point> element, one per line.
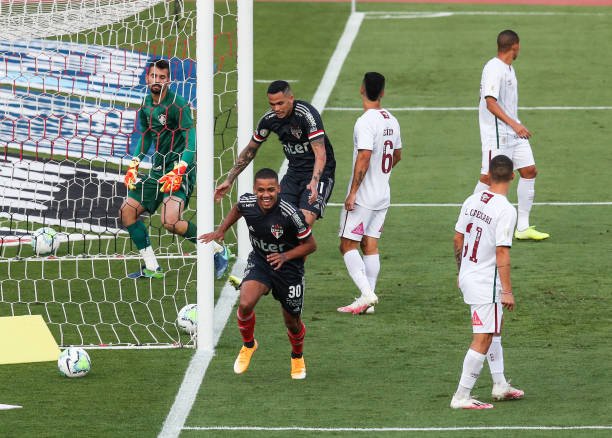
<point>399,367</point>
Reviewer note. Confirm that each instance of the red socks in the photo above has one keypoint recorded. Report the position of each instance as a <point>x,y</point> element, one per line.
<point>297,341</point>
<point>246,324</point>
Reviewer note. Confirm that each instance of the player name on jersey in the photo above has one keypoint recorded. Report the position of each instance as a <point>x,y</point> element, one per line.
<point>478,215</point>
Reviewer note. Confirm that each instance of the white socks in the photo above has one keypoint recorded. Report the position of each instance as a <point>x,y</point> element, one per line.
<point>149,258</point>
<point>525,193</point>
<point>472,365</point>
<point>495,357</point>
<point>356,269</point>
<point>372,268</point>
<point>480,186</point>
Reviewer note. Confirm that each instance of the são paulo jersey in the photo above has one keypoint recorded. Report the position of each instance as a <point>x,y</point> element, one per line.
<point>278,230</point>
<point>498,81</point>
<point>378,131</point>
<point>487,220</point>
<point>295,132</point>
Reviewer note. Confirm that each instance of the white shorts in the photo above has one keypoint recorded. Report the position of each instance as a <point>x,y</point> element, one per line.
<point>361,222</point>
<point>519,152</point>
<point>486,318</point>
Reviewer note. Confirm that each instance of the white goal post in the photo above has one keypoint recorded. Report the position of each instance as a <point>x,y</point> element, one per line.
<point>72,84</point>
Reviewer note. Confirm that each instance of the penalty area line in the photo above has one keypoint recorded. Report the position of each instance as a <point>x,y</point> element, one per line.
<point>475,108</point>
<point>450,204</point>
<point>392,429</point>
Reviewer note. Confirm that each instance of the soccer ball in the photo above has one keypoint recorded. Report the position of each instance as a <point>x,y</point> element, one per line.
<point>45,241</point>
<point>74,362</point>
<point>187,319</point>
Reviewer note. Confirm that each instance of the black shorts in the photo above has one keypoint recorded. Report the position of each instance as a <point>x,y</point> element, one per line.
<point>294,191</point>
<point>287,285</point>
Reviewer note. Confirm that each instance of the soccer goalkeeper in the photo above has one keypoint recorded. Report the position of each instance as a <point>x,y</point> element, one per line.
<point>165,119</point>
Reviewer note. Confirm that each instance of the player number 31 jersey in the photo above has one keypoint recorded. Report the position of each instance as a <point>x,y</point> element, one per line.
<point>487,220</point>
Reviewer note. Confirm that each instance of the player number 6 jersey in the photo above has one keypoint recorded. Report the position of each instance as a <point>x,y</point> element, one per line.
<point>376,130</point>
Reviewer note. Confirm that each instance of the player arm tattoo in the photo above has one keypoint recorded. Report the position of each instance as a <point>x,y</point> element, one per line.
<point>246,156</point>
<point>318,148</point>
<point>362,163</point>
<point>458,247</point>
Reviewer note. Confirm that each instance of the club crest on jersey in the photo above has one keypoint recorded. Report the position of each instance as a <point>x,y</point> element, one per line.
<point>162,119</point>
<point>276,230</point>
<point>485,197</point>
<point>296,131</point>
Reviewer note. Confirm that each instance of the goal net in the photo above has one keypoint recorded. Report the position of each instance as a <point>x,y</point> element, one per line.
<point>72,83</point>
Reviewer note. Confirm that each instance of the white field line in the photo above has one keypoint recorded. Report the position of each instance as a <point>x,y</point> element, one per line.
<point>268,81</point>
<point>475,108</point>
<point>399,15</point>
<point>551,204</point>
<point>393,429</point>
<point>175,421</point>
<point>198,365</point>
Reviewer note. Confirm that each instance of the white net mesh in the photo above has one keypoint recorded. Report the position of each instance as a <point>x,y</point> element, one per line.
<point>72,82</point>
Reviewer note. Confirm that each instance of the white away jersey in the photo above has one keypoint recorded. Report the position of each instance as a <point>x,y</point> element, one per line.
<point>487,220</point>
<point>376,130</point>
<point>498,81</point>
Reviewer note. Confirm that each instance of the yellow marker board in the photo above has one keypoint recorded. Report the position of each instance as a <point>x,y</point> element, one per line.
<point>26,339</point>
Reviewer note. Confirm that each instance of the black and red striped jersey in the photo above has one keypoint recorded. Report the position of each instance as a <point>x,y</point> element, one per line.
<point>295,132</point>
<point>278,230</point>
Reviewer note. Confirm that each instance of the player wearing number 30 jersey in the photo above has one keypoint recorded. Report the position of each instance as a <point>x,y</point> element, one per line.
<point>377,149</point>
<point>281,239</point>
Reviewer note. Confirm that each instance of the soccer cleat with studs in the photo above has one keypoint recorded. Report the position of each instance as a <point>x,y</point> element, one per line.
<point>506,392</point>
<point>244,358</point>
<point>234,281</point>
<point>360,305</point>
<point>530,234</point>
<point>147,273</point>
<point>469,403</point>
<point>298,368</point>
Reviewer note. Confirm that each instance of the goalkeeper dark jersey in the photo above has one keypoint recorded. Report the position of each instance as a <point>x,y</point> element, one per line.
<point>169,126</point>
<point>295,132</point>
<point>278,230</point>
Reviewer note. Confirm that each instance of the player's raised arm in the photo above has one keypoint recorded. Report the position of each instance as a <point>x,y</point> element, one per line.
<point>246,156</point>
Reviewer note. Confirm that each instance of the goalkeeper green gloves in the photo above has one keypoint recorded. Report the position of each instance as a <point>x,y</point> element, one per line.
<point>132,174</point>
<point>171,181</point>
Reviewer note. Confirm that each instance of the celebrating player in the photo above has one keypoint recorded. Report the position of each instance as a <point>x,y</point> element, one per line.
<point>309,180</point>
<point>281,239</point>
<point>483,237</point>
<point>165,119</point>
<point>501,132</point>
<point>377,149</point>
